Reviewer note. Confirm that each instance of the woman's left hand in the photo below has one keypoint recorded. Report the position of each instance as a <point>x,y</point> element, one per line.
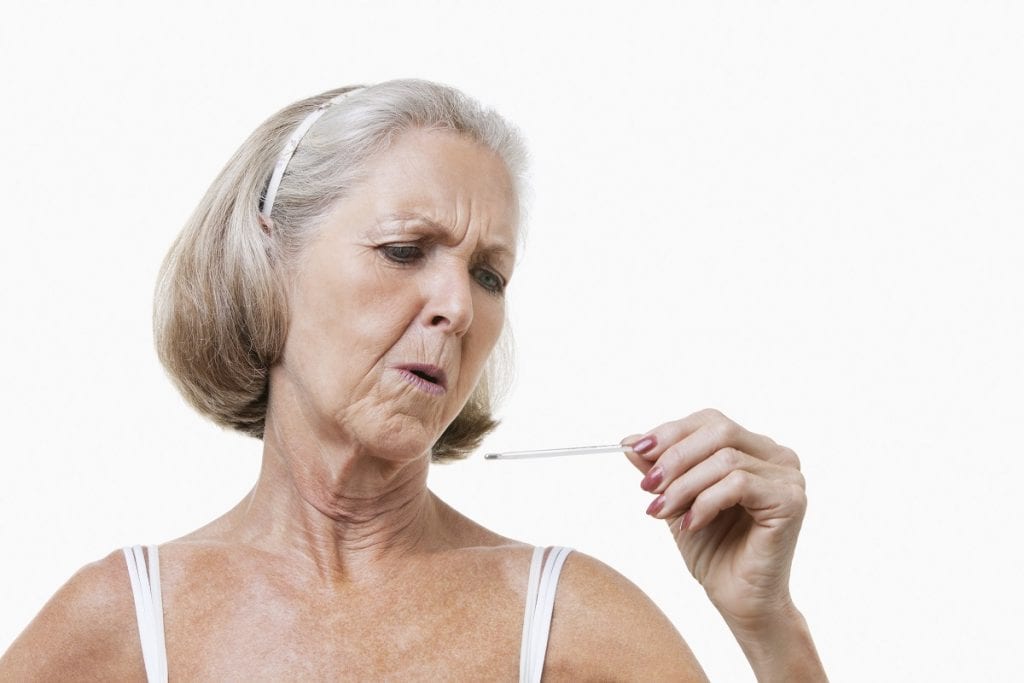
<point>734,502</point>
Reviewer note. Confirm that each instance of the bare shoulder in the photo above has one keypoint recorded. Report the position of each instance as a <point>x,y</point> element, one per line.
<point>605,627</point>
<point>86,631</point>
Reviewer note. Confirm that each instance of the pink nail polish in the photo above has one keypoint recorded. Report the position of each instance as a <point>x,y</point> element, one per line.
<point>687,518</point>
<point>653,478</point>
<point>656,505</point>
<point>645,444</point>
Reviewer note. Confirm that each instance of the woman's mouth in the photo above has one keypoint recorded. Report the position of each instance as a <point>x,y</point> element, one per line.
<point>429,378</point>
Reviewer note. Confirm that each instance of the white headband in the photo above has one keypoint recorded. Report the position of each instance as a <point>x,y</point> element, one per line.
<point>289,149</point>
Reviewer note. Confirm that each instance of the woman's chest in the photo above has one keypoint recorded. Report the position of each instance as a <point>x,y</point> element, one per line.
<point>447,627</point>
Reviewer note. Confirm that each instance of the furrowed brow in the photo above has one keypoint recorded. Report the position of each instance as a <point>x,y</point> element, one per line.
<point>495,250</point>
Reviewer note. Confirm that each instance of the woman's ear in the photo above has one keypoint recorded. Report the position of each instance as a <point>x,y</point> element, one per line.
<point>267,223</point>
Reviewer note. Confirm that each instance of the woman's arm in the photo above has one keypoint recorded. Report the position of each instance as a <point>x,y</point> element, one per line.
<point>605,628</point>
<point>85,632</point>
<point>780,648</point>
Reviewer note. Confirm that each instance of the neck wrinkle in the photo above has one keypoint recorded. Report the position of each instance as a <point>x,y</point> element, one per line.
<point>344,523</point>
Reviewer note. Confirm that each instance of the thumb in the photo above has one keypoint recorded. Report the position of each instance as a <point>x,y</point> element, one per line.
<point>638,461</point>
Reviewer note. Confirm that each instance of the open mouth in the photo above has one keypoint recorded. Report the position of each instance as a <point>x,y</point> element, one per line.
<point>423,375</point>
<point>430,378</point>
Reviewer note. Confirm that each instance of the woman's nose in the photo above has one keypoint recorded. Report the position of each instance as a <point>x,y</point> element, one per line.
<point>449,302</point>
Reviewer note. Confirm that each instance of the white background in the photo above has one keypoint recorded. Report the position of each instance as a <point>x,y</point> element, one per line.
<point>803,214</point>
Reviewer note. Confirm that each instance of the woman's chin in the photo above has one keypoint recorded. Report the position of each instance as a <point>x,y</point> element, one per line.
<point>403,444</point>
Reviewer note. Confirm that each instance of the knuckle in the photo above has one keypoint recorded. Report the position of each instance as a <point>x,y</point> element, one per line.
<point>738,478</point>
<point>801,494</point>
<point>671,458</point>
<point>790,458</point>
<point>730,458</point>
<point>799,497</point>
<point>723,431</point>
<point>712,414</point>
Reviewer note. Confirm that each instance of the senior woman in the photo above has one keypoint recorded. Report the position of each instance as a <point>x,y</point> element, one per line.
<point>339,293</point>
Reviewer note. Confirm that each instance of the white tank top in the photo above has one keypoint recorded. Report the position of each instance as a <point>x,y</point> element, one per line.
<point>540,602</point>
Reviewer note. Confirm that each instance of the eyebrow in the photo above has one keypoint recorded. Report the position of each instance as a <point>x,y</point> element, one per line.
<point>495,249</point>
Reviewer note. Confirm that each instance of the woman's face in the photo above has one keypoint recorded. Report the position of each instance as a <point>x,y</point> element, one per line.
<point>397,302</point>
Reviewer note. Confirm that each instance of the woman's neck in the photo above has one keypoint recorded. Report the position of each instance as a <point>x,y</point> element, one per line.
<point>346,515</point>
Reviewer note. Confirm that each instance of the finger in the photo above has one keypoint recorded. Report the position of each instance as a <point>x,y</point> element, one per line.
<point>638,461</point>
<point>679,494</point>
<point>762,498</point>
<point>694,449</point>
<point>630,440</point>
<point>717,432</point>
<point>680,457</point>
<point>641,444</point>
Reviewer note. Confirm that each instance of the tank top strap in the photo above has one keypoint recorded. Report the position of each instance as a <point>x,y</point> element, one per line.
<point>149,610</point>
<point>540,603</point>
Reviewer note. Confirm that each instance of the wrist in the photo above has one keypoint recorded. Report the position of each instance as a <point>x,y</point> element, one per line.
<point>771,618</point>
<point>779,645</point>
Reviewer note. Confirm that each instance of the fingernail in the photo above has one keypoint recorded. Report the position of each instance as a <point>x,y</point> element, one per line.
<point>687,518</point>
<point>645,444</point>
<point>656,505</point>
<point>652,479</point>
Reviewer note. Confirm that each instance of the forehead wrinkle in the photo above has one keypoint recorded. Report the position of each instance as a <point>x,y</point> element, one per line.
<point>490,248</point>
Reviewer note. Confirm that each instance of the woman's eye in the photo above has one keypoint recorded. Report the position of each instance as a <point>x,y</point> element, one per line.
<point>401,253</point>
<point>490,280</point>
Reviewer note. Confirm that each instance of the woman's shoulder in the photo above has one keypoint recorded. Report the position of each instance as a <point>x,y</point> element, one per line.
<point>86,630</point>
<point>604,626</point>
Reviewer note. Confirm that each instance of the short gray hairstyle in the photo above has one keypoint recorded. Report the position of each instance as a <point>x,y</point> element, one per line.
<point>220,316</point>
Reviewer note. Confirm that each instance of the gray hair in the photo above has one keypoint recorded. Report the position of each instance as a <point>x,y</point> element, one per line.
<point>220,316</point>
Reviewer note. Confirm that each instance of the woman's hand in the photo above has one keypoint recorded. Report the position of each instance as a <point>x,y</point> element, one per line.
<point>734,502</point>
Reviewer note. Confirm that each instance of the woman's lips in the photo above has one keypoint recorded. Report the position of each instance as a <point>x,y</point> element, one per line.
<point>429,378</point>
